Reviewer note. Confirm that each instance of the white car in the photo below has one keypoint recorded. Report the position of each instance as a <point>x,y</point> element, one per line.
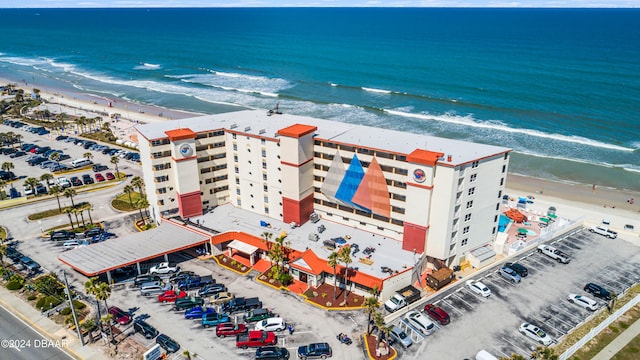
<point>478,288</point>
<point>536,334</point>
<point>164,268</point>
<point>583,301</point>
<point>271,324</point>
<point>421,322</point>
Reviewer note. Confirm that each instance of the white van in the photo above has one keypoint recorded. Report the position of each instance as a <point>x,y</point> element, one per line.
<point>485,355</point>
<point>80,162</point>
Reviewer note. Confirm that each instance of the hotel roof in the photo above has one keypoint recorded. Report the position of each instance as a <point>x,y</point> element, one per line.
<point>258,123</point>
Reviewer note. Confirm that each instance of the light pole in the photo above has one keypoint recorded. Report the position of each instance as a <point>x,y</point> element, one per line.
<point>73,308</point>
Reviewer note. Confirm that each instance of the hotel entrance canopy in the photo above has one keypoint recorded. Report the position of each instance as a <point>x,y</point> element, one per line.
<point>242,247</point>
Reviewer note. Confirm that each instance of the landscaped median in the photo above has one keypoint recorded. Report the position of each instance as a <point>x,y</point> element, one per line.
<point>233,265</point>
<point>386,352</point>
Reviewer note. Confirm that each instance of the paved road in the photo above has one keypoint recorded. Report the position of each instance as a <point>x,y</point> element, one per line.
<point>19,341</point>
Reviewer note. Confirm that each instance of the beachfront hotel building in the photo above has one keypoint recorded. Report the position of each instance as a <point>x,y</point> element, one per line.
<point>437,196</point>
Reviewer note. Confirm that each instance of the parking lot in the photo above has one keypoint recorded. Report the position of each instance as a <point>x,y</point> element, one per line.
<point>310,324</point>
<point>540,298</point>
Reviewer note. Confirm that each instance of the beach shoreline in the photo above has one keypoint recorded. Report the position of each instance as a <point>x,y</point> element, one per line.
<point>589,201</point>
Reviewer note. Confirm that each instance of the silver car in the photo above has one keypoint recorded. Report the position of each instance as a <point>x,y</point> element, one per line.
<point>399,336</point>
<point>510,274</point>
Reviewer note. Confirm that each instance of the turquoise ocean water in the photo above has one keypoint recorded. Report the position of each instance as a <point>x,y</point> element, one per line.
<point>559,86</point>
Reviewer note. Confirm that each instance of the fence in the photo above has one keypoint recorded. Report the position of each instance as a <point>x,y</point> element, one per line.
<point>596,330</point>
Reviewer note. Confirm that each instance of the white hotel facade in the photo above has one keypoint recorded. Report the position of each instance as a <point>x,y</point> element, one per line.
<point>436,196</point>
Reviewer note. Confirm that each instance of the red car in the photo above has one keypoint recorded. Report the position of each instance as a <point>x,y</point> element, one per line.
<point>171,296</point>
<point>110,176</point>
<point>437,314</point>
<point>230,329</point>
<point>99,177</point>
<point>119,315</point>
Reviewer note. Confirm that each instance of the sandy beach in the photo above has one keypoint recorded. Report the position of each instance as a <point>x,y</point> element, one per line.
<point>573,201</point>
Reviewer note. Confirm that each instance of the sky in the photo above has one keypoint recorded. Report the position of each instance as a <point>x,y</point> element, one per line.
<point>317,3</point>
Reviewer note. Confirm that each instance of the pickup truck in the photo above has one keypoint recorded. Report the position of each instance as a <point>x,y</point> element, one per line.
<point>195,282</point>
<point>164,268</point>
<point>242,304</point>
<point>256,338</point>
<point>188,302</point>
<point>554,253</point>
<point>601,230</point>
<point>402,298</point>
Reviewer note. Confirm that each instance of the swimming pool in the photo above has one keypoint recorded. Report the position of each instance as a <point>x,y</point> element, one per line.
<point>503,222</point>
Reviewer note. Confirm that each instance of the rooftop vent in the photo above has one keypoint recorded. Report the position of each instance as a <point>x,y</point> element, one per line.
<point>262,131</point>
<point>233,126</point>
<point>449,158</point>
<point>247,128</point>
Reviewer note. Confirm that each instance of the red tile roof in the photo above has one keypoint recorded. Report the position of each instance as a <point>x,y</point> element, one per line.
<point>180,134</point>
<point>424,157</point>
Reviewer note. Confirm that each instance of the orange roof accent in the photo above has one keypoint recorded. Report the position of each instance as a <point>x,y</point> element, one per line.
<point>317,264</point>
<point>180,134</point>
<point>297,130</point>
<point>373,193</point>
<point>424,157</point>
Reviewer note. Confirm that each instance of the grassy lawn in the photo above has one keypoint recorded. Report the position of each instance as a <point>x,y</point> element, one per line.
<point>121,202</point>
<point>629,352</point>
<point>3,233</point>
<point>607,335</point>
<point>53,212</point>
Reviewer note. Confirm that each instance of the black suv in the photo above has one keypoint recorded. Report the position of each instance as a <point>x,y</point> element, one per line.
<point>519,269</point>
<point>314,351</point>
<point>62,235</point>
<point>86,178</point>
<point>597,291</point>
<point>271,352</point>
<point>167,343</point>
<point>93,232</point>
<point>145,329</point>
<point>99,167</point>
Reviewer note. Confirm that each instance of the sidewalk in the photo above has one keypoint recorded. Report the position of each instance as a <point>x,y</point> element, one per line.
<point>48,328</point>
<point>619,342</point>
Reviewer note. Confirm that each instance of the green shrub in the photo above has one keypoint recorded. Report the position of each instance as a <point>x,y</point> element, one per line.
<point>14,285</point>
<point>285,279</point>
<point>614,328</point>
<point>31,297</point>
<point>65,311</point>
<point>79,304</point>
<point>47,302</point>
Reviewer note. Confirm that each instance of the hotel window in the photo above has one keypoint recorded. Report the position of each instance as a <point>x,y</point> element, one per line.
<point>506,155</point>
<point>495,218</point>
<point>467,217</point>
<point>501,181</point>
<point>469,204</point>
<point>237,170</point>
<point>473,177</point>
<point>235,147</point>
<point>264,177</point>
<point>494,230</point>
<point>235,158</point>
<point>161,191</point>
<point>471,191</point>
<point>504,168</point>
<point>160,202</point>
<point>266,209</point>
<point>264,164</point>
<point>465,230</point>
<point>233,136</point>
<point>264,153</point>
<point>238,191</point>
<point>474,164</point>
<point>464,242</point>
<point>499,194</point>
<point>265,188</point>
<point>266,199</point>
<point>498,206</point>
<point>263,141</point>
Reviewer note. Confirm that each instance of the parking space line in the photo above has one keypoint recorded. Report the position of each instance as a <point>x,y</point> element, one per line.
<point>466,303</point>
<point>516,346</point>
<point>556,318</point>
<point>452,307</point>
<point>567,312</point>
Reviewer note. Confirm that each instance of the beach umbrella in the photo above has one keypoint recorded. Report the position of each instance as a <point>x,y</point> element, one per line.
<point>522,231</point>
<point>553,216</point>
<point>544,219</point>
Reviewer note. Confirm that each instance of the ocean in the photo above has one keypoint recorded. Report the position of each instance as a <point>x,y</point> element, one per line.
<point>561,87</point>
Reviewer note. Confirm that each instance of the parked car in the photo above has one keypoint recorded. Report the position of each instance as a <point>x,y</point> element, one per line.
<point>99,167</point>
<point>171,296</point>
<point>30,264</point>
<point>154,288</point>
<point>399,336</point>
<point>583,301</point>
<point>86,179</point>
<point>257,315</point>
<point>271,324</point>
<point>598,291</point>
<point>315,351</point>
<point>437,313</point>
<point>197,312</point>
<point>167,343</point>
<point>214,319</point>
<point>188,302</point>
<point>110,176</point>
<point>164,268</point>
<point>145,278</point>
<point>119,315</point>
<point>211,289</point>
<point>93,232</point>
<point>230,329</point>
<point>181,275</point>
<point>272,352</point>
<point>536,333</point>
<point>509,274</point>
<point>62,235</point>
<point>63,182</point>
<point>221,298</point>
<point>420,322</point>
<point>478,288</point>
<point>75,181</point>
<point>99,177</point>
<point>70,244</point>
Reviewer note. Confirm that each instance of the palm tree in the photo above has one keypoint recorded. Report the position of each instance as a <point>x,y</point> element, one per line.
<point>115,160</point>
<point>128,189</point>
<point>88,325</point>
<point>266,238</point>
<point>90,287</point>
<point>371,304</point>
<point>45,179</point>
<point>69,211</point>
<point>3,253</point>
<point>333,262</point>
<point>3,184</point>
<point>345,257</point>
<point>142,203</point>
<point>544,353</point>
<point>31,183</point>
<point>74,211</point>
<point>88,155</point>
<point>7,166</point>
<point>89,207</point>
<point>56,190</point>
<point>55,157</point>
<point>103,292</point>
<point>137,181</point>
<point>70,193</point>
